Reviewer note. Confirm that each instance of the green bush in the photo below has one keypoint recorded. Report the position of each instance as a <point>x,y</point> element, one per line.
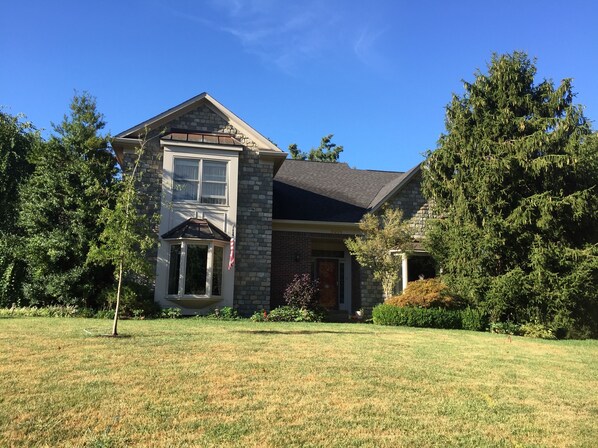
<point>224,313</point>
<point>385,314</point>
<point>288,314</point>
<point>507,327</point>
<point>473,319</point>
<point>537,330</point>
<point>170,313</point>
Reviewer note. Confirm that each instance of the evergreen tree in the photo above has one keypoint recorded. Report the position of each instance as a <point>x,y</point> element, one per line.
<point>17,141</point>
<point>71,184</point>
<point>515,181</point>
<point>326,152</point>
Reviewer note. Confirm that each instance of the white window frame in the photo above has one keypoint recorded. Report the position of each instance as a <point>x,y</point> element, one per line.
<point>185,243</point>
<point>200,181</point>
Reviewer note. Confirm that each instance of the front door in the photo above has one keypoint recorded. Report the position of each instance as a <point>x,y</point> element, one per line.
<point>328,282</point>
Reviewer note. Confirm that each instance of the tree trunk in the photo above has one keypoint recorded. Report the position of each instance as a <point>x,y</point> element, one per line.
<point>120,281</point>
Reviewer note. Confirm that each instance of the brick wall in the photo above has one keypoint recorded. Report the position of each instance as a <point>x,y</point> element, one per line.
<point>286,247</point>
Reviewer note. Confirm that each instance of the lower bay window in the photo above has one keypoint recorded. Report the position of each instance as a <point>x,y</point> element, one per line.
<point>195,269</point>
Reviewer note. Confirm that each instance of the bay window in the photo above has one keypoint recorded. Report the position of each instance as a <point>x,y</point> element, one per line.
<point>195,269</point>
<point>200,180</point>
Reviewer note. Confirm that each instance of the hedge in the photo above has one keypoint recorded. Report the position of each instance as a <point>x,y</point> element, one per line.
<point>468,319</point>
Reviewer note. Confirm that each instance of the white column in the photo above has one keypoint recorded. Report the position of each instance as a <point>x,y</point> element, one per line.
<point>404,272</point>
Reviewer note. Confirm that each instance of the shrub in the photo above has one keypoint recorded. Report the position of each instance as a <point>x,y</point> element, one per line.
<point>288,314</point>
<point>302,292</point>
<point>427,293</point>
<point>507,327</point>
<point>224,313</point>
<point>387,314</point>
<point>170,313</point>
<point>537,330</point>
<point>473,319</point>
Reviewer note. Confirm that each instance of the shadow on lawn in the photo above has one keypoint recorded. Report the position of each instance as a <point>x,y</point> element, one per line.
<point>299,332</point>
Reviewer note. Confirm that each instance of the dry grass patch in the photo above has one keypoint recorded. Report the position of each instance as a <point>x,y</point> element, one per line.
<point>207,383</point>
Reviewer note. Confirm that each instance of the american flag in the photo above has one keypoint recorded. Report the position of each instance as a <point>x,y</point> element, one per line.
<point>231,260</point>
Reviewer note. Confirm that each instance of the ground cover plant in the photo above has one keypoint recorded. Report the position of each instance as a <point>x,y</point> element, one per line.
<point>203,382</point>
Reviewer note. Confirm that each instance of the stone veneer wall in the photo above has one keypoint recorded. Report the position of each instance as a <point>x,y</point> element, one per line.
<point>415,207</point>
<point>254,208</point>
<point>371,291</point>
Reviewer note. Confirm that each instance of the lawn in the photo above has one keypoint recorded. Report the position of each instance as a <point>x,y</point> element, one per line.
<point>190,382</point>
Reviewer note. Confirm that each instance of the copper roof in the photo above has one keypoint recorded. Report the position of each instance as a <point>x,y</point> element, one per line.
<point>196,228</point>
<point>203,137</point>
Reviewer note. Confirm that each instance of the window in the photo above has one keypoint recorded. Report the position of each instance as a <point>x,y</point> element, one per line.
<point>195,269</point>
<point>207,188</point>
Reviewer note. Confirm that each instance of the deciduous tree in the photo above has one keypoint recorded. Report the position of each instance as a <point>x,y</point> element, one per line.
<point>376,248</point>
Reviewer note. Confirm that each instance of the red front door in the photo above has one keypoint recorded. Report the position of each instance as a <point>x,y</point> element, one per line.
<point>328,281</point>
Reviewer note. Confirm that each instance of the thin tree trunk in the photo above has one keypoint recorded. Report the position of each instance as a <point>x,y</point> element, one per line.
<point>120,281</point>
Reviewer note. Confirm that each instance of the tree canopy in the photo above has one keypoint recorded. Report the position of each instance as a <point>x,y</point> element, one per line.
<point>59,208</point>
<point>326,152</point>
<point>514,180</point>
<point>382,236</point>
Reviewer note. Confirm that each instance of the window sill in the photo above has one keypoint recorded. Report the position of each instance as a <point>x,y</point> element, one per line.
<point>194,301</point>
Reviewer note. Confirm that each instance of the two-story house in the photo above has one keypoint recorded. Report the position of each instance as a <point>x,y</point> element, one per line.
<point>212,178</point>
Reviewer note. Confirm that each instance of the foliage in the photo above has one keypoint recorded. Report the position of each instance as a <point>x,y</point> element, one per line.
<point>288,314</point>
<point>326,152</point>
<point>515,181</point>
<point>426,293</point>
<point>224,313</point>
<point>385,314</point>
<point>473,319</point>
<point>126,238</point>
<point>537,330</point>
<point>55,311</point>
<point>506,327</point>
<point>382,234</point>
<point>302,292</point>
<point>18,140</point>
<point>170,313</point>
<point>71,184</point>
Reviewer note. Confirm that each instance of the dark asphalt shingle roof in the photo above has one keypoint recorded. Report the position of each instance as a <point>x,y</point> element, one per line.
<point>318,191</point>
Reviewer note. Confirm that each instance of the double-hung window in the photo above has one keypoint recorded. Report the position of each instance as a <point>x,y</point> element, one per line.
<point>200,180</point>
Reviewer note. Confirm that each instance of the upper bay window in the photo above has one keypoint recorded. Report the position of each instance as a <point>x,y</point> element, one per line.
<point>200,180</point>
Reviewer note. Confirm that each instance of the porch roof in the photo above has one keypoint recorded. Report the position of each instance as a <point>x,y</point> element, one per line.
<point>195,228</point>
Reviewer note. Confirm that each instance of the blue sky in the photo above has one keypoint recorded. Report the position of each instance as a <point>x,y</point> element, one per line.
<point>377,74</point>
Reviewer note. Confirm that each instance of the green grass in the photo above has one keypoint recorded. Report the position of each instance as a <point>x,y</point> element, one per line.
<point>207,383</point>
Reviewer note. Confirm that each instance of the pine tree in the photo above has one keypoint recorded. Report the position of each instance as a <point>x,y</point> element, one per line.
<point>71,183</point>
<point>326,152</point>
<point>515,181</point>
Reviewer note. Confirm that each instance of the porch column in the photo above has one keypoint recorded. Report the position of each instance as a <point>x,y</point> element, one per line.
<point>404,272</point>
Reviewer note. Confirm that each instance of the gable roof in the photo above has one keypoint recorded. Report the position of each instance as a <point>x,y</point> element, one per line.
<point>174,112</point>
<point>319,191</point>
<point>393,187</point>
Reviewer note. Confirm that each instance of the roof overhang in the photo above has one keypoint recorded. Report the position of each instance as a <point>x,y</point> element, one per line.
<point>339,228</point>
<point>379,201</point>
<point>156,122</point>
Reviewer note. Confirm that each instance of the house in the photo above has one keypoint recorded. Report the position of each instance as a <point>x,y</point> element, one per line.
<point>212,178</point>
